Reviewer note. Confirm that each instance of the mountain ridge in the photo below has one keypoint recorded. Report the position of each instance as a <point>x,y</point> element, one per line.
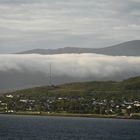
<point>129,48</point>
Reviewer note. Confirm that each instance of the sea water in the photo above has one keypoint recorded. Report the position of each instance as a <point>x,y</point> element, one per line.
<point>14,127</point>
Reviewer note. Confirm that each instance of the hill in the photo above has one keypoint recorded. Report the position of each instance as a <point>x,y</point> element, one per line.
<point>130,48</point>
<point>106,98</point>
<point>129,89</point>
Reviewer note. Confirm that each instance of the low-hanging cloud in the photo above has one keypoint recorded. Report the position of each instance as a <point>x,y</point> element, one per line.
<point>80,66</point>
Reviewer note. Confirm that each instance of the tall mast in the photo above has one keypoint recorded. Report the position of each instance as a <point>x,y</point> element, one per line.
<point>50,74</point>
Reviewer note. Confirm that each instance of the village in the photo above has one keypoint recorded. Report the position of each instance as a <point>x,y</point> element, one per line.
<point>15,103</point>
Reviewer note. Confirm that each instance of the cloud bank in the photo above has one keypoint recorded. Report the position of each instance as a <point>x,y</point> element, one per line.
<point>77,66</point>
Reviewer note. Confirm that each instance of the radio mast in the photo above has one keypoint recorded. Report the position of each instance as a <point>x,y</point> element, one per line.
<point>50,74</point>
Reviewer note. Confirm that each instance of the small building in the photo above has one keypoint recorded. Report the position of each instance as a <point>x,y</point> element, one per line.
<point>24,100</point>
<point>9,96</point>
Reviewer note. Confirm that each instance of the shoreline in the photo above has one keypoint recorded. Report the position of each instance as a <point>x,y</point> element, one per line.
<point>72,115</point>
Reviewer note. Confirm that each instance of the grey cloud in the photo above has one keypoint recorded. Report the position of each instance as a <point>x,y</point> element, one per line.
<point>50,22</point>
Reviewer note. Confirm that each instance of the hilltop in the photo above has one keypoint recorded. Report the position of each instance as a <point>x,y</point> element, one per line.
<point>130,48</point>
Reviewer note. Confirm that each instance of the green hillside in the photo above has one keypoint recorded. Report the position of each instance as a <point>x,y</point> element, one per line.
<point>129,89</point>
<point>122,98</point>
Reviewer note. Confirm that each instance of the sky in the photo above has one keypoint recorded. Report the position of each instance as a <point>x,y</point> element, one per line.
<point>31,24</point>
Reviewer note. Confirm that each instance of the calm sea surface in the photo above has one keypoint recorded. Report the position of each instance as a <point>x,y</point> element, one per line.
<point>67,128</point>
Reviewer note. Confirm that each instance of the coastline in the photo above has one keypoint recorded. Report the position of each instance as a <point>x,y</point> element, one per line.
<point>71,115</point>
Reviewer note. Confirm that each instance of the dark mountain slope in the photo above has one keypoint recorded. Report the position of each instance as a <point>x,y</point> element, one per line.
<point>130,48</point>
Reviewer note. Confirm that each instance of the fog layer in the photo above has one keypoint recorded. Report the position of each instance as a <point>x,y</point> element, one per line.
<point>77,66</point>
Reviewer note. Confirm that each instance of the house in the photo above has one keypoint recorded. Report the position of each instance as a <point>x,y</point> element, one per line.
<point>137,104</point>
<point>24,100</point>
<point>129,107</point>
<point>9,96</point>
